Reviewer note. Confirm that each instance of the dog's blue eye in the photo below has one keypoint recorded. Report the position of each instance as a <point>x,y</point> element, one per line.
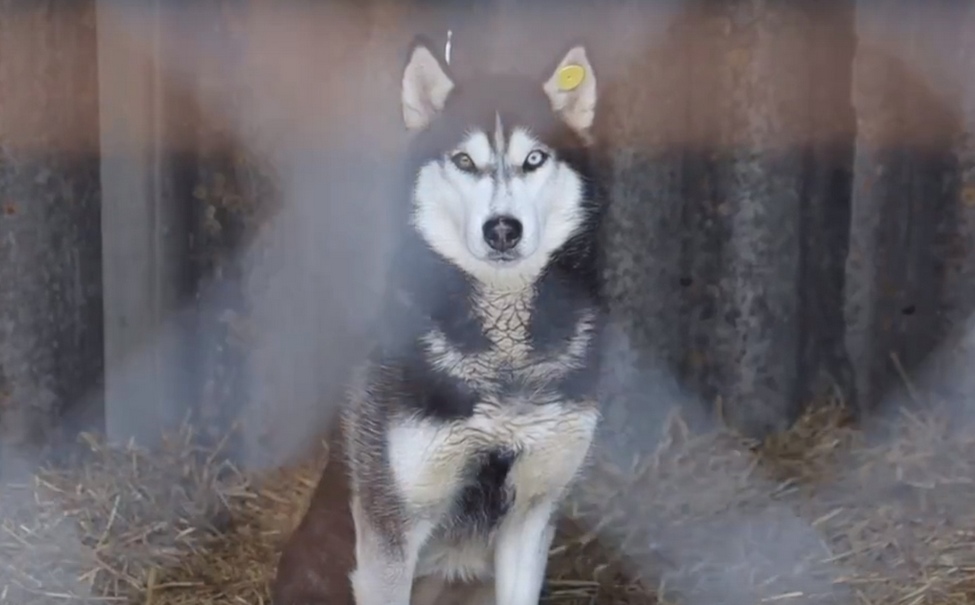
<point>463,162</point>
<point>534,160</point>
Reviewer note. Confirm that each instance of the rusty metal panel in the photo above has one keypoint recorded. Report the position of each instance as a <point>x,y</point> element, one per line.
<point>50,251</point>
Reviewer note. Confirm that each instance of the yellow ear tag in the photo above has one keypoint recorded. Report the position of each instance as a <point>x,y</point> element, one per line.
<point>570,77</point>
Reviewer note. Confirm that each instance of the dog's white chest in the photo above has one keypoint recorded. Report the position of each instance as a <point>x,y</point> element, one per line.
<point>428,457</point>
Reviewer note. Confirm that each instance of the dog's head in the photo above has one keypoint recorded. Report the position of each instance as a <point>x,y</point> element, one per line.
<point>502,179</point>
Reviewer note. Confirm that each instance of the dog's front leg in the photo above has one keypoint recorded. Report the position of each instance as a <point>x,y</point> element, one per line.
<point>386,556</point>
<point>521,554</point>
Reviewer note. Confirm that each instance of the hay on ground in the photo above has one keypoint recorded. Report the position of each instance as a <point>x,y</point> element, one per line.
<point>817,514</point>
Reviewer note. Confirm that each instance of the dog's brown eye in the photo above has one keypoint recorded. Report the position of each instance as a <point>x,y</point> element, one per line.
<point>463,162</point>
<point>534,160</point>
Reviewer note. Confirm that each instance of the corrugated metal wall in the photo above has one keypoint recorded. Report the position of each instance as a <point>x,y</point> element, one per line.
<point>791,206</point>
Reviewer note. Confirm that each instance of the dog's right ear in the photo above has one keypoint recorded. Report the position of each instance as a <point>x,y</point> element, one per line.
<point>572,90</point>
<point>426,86</point>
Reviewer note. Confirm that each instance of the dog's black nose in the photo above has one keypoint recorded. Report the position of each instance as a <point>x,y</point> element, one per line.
<point>502,233</point>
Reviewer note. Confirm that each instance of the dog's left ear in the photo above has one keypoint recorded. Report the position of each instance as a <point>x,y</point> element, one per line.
<point>572,90</point>
<point>426,86</point>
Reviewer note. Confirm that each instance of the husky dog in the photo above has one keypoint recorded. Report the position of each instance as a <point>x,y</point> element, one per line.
<point>477,410</point>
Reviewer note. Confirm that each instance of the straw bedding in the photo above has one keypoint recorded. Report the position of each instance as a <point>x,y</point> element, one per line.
<point>820,514</point>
